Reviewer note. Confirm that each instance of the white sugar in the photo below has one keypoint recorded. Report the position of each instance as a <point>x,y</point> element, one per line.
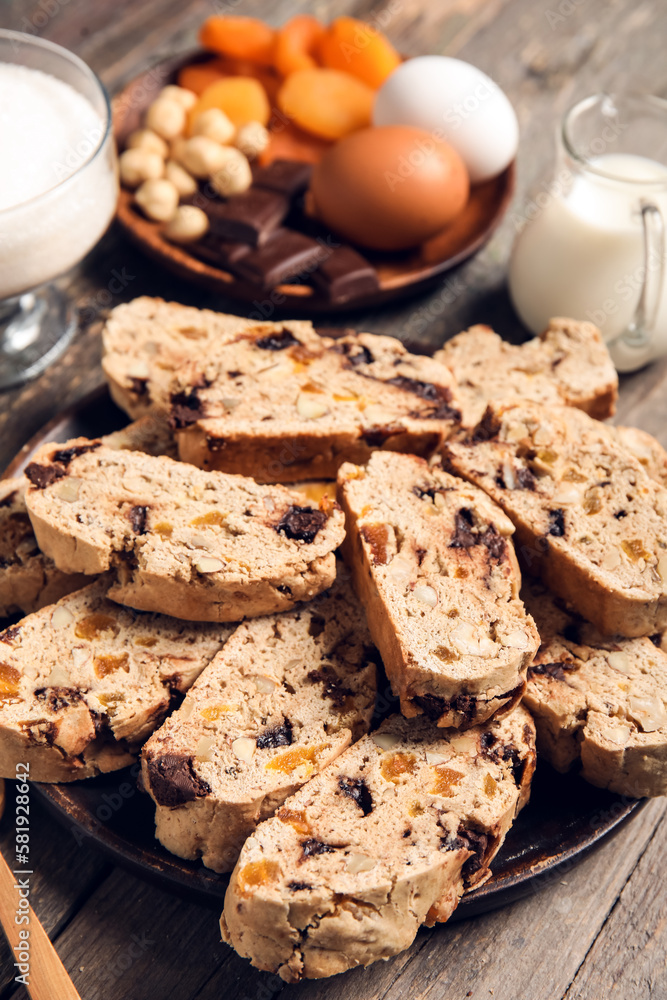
<point>47,131</point>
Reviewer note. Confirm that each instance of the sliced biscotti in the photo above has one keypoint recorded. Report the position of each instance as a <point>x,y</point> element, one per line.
<point>148,340</point>
<point>28,579</point>
<point>434,567</point>
<point>567,365</point>
<point>598,701</point>
<point>589,520</point>
<point>84,682</point>
<point>197,545</point>
<point>283,698</point>
<point>384,839</point>
<point>293,405</point>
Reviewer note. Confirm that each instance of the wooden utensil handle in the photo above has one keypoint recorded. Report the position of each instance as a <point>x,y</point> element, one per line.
<point>47,978</point>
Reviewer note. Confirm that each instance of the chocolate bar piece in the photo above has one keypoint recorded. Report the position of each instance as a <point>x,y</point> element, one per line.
<point>345,274</point>
<point>288,177</point>
<point>220,253</point>
<point>285,255</point>
<point>250,217</point>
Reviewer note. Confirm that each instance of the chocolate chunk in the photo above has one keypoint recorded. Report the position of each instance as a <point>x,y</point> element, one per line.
<point>221,253</point>
<point>463,538</point>
<point>334,689</point>
<point>186,409</point>
<point>525,479</point>
<point>301,523</point>
<point>299,886</point>
<point>345,274</point>
<point>276,736</point>
<point>312,847</point>
<point>277,341</point>
<point>356,354</point>
<point>250,217</point>
<point>357,790</point>
<point>620,514</point>
<point>9,499</point>
<point>286,177</point>
<point>10,634</point>
<point>433,707</point>
<point>439,395</point>
<point>65,456</point>
<point>494,542</point>
<point>502,752</point>
<point>488,427</point>
<point>316,625</point>
<point>56,698</point>
<point>42,476</point>
<point>173,781</point>
<point>556,523</point>
<point>425,491</point>
<point>286,254</point>
<point>284,589</point>
<point>376,436</point>
<point>138,516</point>
<point>555,670</point>
<point>139,386</point>
<point>478,843</point>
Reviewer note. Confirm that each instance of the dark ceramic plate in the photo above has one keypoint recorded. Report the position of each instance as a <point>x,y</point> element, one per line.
<point>565,818</point>
<point>400,274</point>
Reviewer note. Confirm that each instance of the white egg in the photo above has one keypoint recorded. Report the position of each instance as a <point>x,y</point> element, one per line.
<point>456,102</point>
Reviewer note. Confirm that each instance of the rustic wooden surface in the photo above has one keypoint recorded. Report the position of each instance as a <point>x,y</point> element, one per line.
<point>599,932</point>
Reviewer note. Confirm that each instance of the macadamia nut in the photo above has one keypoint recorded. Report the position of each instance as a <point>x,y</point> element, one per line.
<point>186,98</point>
<point>139,165</point>
<point>234,175</point>
<point>202,156</point>
<point>215,124</point>
<point>189,223</point>
<point>166,117</point>
<point>143,138</point>
<point>184,182</point>
<point>252,139</point>
<point>157,199</point>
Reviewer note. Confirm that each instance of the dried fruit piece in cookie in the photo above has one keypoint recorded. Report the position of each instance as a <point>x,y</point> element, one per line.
<point>198,545</point>
<point>433,565</point>
<point>284,697</point>
<point>598,701</point>
<point>84,682</point>
<point>589,520</point>
<point>353,863</point>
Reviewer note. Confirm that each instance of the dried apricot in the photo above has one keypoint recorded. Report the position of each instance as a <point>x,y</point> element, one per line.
<point>240,37</point>
<point>326,102</point>
<point>242,98</point>
<point>296,44</point>
<point>360,49</point>
<point>287,142</point>
<point>198,76</point>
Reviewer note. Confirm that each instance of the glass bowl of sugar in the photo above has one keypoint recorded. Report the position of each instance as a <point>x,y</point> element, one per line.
<point>58,192</point>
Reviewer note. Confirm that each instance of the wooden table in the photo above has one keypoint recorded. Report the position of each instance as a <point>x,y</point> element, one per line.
<point>599,932</point>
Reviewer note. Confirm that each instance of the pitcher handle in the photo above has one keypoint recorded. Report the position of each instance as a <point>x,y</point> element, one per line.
<point>638,344</point>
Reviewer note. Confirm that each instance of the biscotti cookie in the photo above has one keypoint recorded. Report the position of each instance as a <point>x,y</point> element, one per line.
<point>434,567</point>
<point>589,520</point>
<point>646,450</point>
<point>598,701</point>
<point>197,545</point>
<point>147,341</point>
<point>283,698</point>
<point>567,364</point>
<point>294,405</point>
<point>384,839</point>
<point>28,579</point>
<point>84,682</point>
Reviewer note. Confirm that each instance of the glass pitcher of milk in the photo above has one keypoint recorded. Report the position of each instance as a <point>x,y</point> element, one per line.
<point>595,250</point>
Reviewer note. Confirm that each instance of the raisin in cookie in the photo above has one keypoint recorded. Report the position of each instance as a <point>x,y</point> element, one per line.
<point>283,698</point>
<point>294,405</point>
<point>598,701</point>
<point>567,364</point>
<point>434,567</point>
<point>386,838</point>
<point>589,520</point>
<point>197,545</point>
<point>84,682</point>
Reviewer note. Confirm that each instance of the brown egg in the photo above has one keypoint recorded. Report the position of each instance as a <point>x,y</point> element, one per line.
<point>389,188</point>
